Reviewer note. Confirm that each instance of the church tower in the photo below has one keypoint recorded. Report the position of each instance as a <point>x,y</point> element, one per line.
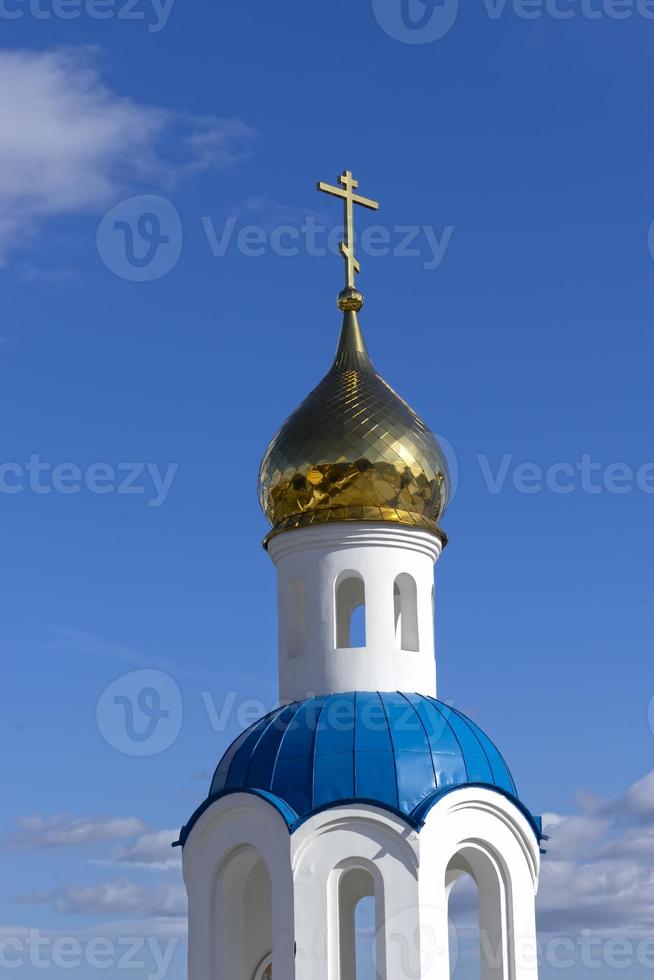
<point>361,784</point>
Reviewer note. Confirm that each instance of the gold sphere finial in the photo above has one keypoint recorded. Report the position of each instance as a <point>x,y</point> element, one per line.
<point>350,300</point>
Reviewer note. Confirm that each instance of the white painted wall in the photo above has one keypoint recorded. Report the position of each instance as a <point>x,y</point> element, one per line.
<point>325,852</point>
<point>222,862</point>
<point>310,563</point>
<point>317,874</point>
<point>482,833</point>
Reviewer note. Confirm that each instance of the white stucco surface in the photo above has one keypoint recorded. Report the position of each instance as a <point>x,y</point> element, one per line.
<point>319,873</point>
<point>311,564</point>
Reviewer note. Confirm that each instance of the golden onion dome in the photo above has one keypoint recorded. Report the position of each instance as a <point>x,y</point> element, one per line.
<point>353,451</point>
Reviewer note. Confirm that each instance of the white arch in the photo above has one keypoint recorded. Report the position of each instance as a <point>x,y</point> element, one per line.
<point>325,850</point>
<point>405,604</point>
<point>242,915</point>
<point>296,618</point>
<point>484,834</point>
<point>493,883</point>
<point>349,594</point>
<point>351,881</point>
<point>226,843</point>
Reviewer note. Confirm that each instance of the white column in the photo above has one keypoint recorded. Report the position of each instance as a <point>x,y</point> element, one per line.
<point>235,836</point>
<point>481,833</point>
<point>310,562</point>
<point>338,857</point>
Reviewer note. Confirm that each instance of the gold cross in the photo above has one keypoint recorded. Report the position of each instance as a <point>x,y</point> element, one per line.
<point>349,185</point>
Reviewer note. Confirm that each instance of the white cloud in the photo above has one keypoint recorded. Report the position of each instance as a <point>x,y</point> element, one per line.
<point>158,911</point>
<point>157,927</point>
<point>114,898</point>
<point>143,848</point>
<point>573,836</point>
<point>216,142</point>
<point>637,803</point>
<point>637,842</point>
<point>37,832</point>
<point>598,873</point>
<point>69,144</point>
<point>271,214</point>
<point>639,798</point>
<point>152,850</point>
<point>612,897</point>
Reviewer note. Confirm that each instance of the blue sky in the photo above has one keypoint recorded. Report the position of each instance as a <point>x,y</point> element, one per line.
<point>511,147</point>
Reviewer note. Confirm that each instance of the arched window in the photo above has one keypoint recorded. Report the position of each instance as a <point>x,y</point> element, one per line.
<point>357,925</point>
<point>477,912</point>
<point>296,618</point>
<point>463,922</point>
<point>365,926</point>
<point>350,611</point>
<point>405,598</point>
<point>244,917</point>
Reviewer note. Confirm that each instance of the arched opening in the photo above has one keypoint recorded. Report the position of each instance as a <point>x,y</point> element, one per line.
<point>405,599</point>
<point>358,925</point>
<point>463,931</point>
<point>350,611</point>
<point>296,618</point>
<point>244,918</point>
<point>364,939</point>
<point>477,914</point>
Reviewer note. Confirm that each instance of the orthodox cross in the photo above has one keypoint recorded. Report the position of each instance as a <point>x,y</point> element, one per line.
<point>346,192</point>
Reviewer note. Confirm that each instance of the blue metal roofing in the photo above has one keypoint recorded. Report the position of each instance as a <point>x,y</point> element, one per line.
<point>398,751</point>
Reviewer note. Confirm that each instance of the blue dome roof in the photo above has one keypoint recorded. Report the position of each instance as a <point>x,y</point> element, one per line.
<point>397,751</point>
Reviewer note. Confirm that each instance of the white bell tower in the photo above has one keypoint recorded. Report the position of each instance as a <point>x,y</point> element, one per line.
<point>361,785</point>
<point>329,574</point>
